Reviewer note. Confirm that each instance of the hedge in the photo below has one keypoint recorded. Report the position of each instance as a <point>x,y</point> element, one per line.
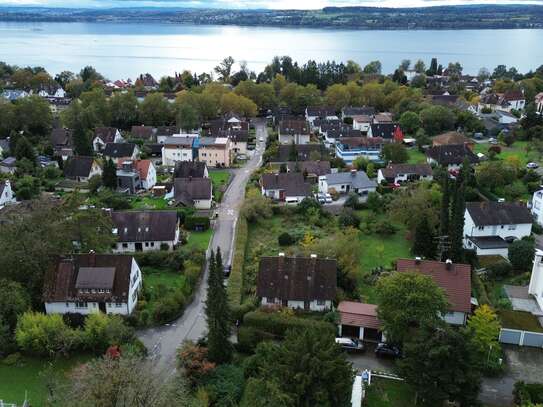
<point>235,280</point>
<point>278,324</point>
<point>525,393</point>
<point>249,338</point>
<point>197,223</point>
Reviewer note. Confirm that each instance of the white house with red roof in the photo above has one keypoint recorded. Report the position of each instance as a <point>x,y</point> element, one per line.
<point>145,169</point>
<point>453,278</point>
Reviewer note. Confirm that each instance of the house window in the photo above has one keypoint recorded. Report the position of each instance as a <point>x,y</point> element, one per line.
<point>118,304</point>
<point>481,228</point>
<point>125,245</point>
<point>146,244</point>
<point>67,305</point>
<point>321,302</point>
<point>79,304</point>
<point>152,244</point>
<point>512,227</point>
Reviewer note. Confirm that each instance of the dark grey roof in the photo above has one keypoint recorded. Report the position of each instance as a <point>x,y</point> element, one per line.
<point>292,183</point>
<point>423,170</point>
<point>303,152</point>
<point>498,213</point>
<point>321,111</point>
<point>358,179</point>
<point>489,242</point>
<point>142,132</point>
<point>452,154</point>
<point>106,134</point>
<point>187,190</point>
<point>119,150</point>
<point>166,130</point>
<point>188,169</point>
<point>145,226</point>
<point>61,137</point>
<point>383,130</point>
<point>293,127</point>
<point>310,167</point>
<point>297,278</point>
<point>78,166</point>
<point>95,277</point>
<point>358,111</point>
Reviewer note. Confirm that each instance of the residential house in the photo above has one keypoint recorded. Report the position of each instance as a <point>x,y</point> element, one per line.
<point>536,280</point>
<point>352,111</point>
<point>191,169</point>
<point>347,182</point>
<point>105,135</point>
<point>147,81</point>
<point>90,283</point>
<point>300,152</point>
<point>121,150</point>
<point>61,139</point>
<point>238,140</point>
<point>6,194</point>
<point>143,231</point>
<point>215,152</point>
<point>382,118</point>
<point>81,169</point>
<point>55,92</point>
<point>128,178</point>
<point>8,165</point>
<point>359,321</point>
<point>14,94</point>
<point>453,278</point>
<point>539,103</point>
<point>452,138</point>
<point>387,131</point>
<point>489,227</point>
<point>512,99</point>
<point>4,147</point>
<point>165,132</point>
<point>147,173</point>
<point>146,133</point>
<point>314,113</point>
<point>505,118</point>
<point>289,187</point>
<point>537,206</point>
<point>193,192</point>
<point>294,131</point>
<point>333,132</point>
<point>307,283</point>
<point>176,150</point>
<point>451,156</point>
<point>362,123</point>
<point>350,148</point>
<point>311,170</point>
<point>401,173</point>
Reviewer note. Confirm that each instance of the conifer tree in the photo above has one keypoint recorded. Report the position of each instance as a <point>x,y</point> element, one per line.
<point>109,175</point>
<point>424,243</point>
<point>457,222</point>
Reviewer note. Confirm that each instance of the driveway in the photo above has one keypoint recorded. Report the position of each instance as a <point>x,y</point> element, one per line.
<point>524,363</point>
<point>162,342</point>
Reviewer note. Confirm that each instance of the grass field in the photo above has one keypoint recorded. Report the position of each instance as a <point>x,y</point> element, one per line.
<point>31,375</point>
<point>415,156</point>
<point>388,393</point>
<point>148,202</point>
<point>517,149</point>
<point>200,239</point>
<point>219,180</point>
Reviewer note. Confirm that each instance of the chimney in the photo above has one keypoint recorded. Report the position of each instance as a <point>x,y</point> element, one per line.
<point>281,254</point>
<point>448,264</point>
<point>92,258</point>
<point>417,260</point>
<point>313,256</point>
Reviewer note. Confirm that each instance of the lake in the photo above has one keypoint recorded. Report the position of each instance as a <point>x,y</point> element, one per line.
<point>126,50</point>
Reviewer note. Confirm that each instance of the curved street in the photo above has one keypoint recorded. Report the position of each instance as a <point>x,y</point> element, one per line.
<point>162,342</point>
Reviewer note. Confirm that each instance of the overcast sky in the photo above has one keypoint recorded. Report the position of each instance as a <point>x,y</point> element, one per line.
<point>269,4</point>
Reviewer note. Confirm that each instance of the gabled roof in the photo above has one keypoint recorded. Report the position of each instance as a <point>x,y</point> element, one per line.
<point>179,141</point>
<point>292,183</point>
<point>358,314</point>
<point>320,111</point>
<point>187,190</point>
<point>190,169</point>
<point>106,134</point>
<point>352,143</point>
<point>118,150</point>
<point>293,127</point>
<point>317,168</point>
<point>513,95</point>
<point>451,154</point>
<point>145,226</point>
<point>423,170</point>
<point>454,279</point>
<point>297,278</point>
<point>383,130</point>
<point>498,213</point>
<point>142,132</point>
<point>303,152</point>
<point>61,137</point>
<point>61,279</point>
<point>166,130</point>
<point>357,179</point>
<point>78,166</point>
<point>358,110</point>
<point>143,166</point>
<point>451,137</point>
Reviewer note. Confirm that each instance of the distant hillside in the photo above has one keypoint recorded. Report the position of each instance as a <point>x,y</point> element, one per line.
<point>363,18</point>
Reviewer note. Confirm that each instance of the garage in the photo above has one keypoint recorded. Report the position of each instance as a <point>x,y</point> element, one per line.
<point>359,321</point>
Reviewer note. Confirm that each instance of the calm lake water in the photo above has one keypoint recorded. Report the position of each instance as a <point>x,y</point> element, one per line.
<point>125,50</point>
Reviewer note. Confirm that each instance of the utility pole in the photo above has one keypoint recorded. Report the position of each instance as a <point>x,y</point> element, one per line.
<point>443,245</point>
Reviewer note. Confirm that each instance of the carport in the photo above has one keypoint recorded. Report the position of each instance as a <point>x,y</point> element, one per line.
<point>359,320</point>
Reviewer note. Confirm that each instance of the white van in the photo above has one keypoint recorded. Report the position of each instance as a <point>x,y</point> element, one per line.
<point>291,201</point>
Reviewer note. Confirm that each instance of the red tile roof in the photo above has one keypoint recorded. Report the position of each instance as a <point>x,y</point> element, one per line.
<point>456,282</point>
<point>358,314</point>
<point>143,167</point>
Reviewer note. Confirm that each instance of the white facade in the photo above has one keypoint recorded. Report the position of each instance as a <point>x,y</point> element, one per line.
<point>516,231</point>
<point>278,195</point>
<point>7,196</point>
<point>401,178</point>
<point>455,318</point>
<point>173,154</point>
<point>98,144</point>
<point>294,138</point>
<point>342,188</point>
<point>314,305</point>
<point>202,203</point>
<point>238,147</point>
<point>149,182</point>
<point>364,125</point>
<point>537,206</point>
<point>536,281</point>
<point>150,246</point>
<point>86,308</point>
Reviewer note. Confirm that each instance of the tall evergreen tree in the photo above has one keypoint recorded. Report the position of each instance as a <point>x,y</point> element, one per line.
<point>445,206</point>
<point>218,313</point>
<point>424,243</point>
<point>109,175</point>
<point>458,210</point>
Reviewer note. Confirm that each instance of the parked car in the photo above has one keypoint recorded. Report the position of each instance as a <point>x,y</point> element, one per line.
<point>493,141</point>
<point>532,166</point>
<point>328,198</point>
<point>261,139</point>
<point>349,344</point>
<point>387,350</point>
<point>227,270</point>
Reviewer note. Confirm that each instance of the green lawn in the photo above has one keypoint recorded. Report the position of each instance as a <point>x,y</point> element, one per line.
<point>517,149</point>
<point>388,393</point>
<point>220,180</point>
<point>31,376</point>
<point>149,202</point>
<point>200,239</point>
<point>415,156</point>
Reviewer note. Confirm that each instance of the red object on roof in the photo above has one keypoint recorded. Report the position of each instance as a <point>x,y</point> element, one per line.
<point>398,135</point>
<point>454,279</point>
<point>358,314</point>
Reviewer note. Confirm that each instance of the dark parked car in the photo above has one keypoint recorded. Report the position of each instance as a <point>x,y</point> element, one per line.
<point>227,270</point>
<point>387,350</point>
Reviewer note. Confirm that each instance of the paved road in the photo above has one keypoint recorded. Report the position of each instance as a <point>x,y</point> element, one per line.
<point>162,342</point>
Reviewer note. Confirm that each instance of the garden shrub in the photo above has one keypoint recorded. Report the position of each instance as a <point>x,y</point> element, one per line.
<point>102,331</point>
<point>385,227</point>
<point>285,239</point>
<point>198,223</point>
<point>526,393</point>
<point>278,323</point>
<point>225,385</point>
<point>249,338</point>
<point>500,269</point>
